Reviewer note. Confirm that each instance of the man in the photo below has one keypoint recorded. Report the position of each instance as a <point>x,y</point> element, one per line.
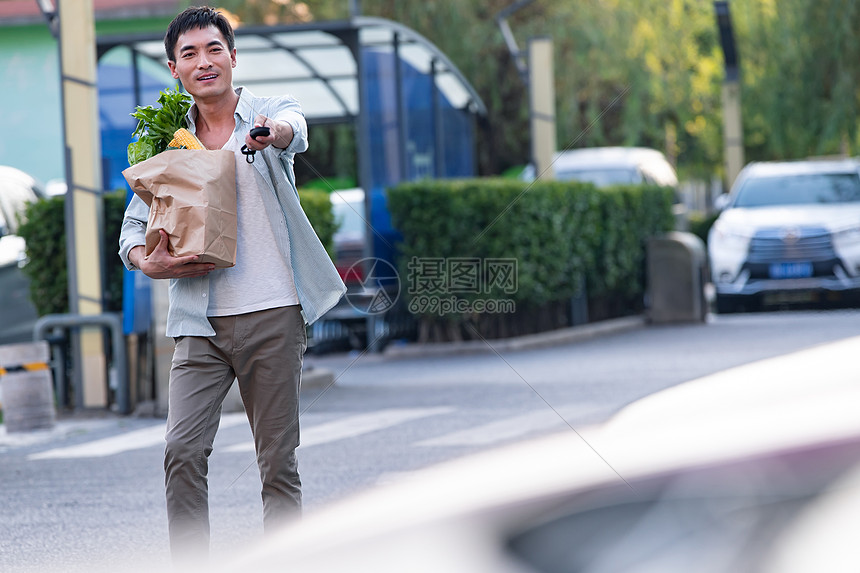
<point>246,322</point>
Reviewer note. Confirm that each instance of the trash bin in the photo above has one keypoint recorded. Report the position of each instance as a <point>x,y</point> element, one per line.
<point>26,387</point>
<point>677,264</point>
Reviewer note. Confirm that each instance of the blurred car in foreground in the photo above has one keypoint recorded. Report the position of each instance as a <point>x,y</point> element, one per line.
<point>606,166</point>
<point>755,469</point>
<point>789,234</point>
<point>17,314</point>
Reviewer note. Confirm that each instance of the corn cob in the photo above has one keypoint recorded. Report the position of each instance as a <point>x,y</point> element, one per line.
<point>183,138</point>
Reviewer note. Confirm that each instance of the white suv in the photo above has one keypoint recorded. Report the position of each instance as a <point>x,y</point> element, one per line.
<point>789,233</point>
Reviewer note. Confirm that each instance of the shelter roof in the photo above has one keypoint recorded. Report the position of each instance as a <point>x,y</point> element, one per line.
<point>317,63</point>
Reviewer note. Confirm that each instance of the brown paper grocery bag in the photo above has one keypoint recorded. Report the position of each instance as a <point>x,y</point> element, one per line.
<point>191,194</point>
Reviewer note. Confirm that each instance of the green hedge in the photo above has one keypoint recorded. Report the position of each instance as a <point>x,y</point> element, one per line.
<point>561,234</point>
<point>630,214</point>
<point>44,232</point>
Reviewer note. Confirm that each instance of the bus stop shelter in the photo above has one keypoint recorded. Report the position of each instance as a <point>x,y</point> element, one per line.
<point>413,111</point>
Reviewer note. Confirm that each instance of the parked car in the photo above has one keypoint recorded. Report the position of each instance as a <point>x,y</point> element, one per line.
<point>373,285</point>
<point>605,166</point>
<point>17,313</point>
<point>789,234</point>
<point>344,327</point>
<point>348,208</point>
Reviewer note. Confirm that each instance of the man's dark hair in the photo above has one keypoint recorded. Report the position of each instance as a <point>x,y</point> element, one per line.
<point>193,18</point>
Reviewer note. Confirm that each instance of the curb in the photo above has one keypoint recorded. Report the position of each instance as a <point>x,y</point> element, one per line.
<point>316,378</point>
<point>62,428</point>
<point>527,342</point>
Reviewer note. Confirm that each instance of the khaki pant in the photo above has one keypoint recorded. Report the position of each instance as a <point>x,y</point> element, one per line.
<point>263,350</point>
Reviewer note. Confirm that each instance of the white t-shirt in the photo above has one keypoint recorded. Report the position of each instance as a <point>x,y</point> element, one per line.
<point>261,279</point>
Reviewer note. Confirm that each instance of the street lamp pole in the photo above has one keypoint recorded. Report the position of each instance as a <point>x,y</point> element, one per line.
<point>733,137</point>
<point>50,14</point>
<point>536,70</point>
<point>354,8</point>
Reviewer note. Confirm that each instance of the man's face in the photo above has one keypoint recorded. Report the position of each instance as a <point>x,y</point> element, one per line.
<point>204,64</point>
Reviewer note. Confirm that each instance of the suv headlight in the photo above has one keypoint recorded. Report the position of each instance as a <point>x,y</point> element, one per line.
<point>729,236</point>
<point>847,235</point>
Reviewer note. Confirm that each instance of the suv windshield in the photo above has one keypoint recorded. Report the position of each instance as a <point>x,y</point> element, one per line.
<point>799,190</point>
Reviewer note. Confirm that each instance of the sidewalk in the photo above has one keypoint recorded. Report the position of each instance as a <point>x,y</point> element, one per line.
<point>65,427</point>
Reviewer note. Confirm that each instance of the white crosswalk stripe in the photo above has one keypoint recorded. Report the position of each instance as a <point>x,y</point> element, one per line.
<point>506,429</point>
<point>353,426</point>
<point>134,440</point>
<point>342,428</point>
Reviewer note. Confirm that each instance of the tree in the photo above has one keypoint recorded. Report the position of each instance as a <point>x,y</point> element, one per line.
<point>635,72</point>
<point>801,65</point>
<point>642,72</point>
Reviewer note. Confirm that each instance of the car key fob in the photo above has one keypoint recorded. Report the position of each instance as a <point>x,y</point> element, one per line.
<point>259,132</point>
<point>256,132</point>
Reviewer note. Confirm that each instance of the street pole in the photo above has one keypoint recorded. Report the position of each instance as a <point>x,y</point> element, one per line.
<point>84,194</point>
<point>536,70</point>
<point>510,41</point>
<point>542,107</point>
<point>733,137</point>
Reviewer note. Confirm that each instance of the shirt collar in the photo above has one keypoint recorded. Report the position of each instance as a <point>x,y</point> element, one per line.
<point>243,108</point>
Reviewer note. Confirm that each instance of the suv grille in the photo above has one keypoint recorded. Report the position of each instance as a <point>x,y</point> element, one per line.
<point>778,245</point>
<point>801,245</point>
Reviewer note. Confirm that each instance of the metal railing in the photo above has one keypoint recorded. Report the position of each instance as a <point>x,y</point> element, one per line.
<point>118,371</point>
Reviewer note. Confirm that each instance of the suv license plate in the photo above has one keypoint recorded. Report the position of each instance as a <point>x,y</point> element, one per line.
<point>790,270</point>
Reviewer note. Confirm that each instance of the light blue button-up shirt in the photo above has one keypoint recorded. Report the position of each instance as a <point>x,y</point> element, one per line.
<point>318,283</point>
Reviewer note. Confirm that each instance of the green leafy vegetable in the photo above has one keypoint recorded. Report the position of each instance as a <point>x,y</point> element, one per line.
<point>138,151</point>
<point>156,125</point>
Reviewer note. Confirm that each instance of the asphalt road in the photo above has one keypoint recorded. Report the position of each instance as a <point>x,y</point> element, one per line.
<point>88,495</point>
